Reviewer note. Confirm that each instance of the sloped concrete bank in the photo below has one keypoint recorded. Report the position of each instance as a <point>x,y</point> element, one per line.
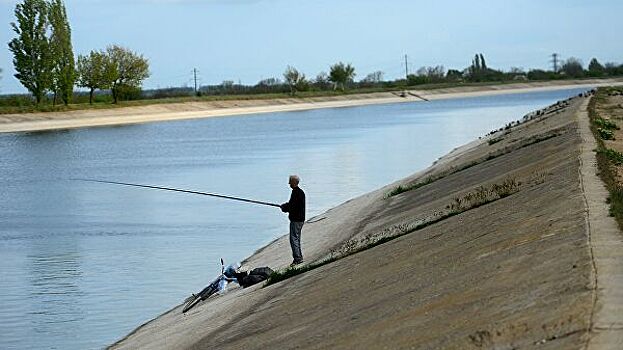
<point>493,250</point>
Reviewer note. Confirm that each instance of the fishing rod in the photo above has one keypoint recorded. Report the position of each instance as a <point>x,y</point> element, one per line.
<point>184,191</point>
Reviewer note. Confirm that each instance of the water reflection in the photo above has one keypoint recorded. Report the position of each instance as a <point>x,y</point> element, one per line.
<point>54,300</point>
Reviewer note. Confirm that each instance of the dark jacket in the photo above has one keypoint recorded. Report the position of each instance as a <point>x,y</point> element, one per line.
<point>296,205</point>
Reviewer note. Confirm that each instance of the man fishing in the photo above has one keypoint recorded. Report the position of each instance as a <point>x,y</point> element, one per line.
<point>296,209</point>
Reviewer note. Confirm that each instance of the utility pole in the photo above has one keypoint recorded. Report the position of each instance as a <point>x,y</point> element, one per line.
<point>195,74</point>
<point>406,68</point>
<point>555,62</point>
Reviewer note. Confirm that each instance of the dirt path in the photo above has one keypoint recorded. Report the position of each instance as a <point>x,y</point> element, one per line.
<point>517,272</point>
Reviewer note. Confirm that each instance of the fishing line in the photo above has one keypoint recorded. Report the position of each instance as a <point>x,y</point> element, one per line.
<point>182,190</point>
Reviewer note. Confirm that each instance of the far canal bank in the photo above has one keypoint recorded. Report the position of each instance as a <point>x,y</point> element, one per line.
<point>42,121</point>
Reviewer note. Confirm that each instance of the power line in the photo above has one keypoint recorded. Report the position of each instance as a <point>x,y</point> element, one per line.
<point>554,61</point>
<point>195,75</point>
<point>406,68</point>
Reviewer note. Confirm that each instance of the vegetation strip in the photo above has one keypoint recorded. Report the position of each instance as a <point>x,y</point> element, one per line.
<point>401,189</point>
<point>607,159</point>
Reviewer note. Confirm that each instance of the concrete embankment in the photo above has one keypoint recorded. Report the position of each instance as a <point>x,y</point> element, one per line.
<point>493,249</point>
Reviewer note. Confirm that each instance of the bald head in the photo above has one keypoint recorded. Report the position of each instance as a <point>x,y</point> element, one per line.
<point>293,181</point>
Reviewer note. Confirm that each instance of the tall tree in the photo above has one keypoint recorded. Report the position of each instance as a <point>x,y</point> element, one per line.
<point>476,63</point>
<point>483,64</point>
<point>269,82</point>
<point>573,68</point>
<point>340,74</point>
<point>295,79</point>
<point>479,71</point>
<point>595,69</point>
<point>129,69</point>
<point>374,77</point>
<point>31,49</point>
<point>612,68</point>
<point>63,66</point>
<point>431,74</point>
<point>95,71</point>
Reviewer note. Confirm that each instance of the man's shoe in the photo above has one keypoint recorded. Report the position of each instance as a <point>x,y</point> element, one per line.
<point>294,263</point>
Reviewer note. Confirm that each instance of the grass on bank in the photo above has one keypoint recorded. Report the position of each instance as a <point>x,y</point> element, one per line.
<point>22,104</point>
<point>405,188</point>
<point>607,159</point>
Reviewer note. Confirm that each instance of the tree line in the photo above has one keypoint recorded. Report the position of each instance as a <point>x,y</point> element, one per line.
<point>478,71</point>
<point>44,60</point>
<point>341,76</point>
<point>45,65</point>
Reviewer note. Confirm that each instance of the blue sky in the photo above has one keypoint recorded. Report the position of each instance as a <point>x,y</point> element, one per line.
<point>248,40</point>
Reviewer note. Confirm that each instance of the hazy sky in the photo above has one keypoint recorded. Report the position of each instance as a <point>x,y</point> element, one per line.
<point>248,40</point>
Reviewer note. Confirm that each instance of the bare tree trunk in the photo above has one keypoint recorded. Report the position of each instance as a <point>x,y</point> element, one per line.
<point>38,93</point>
<point>91,96</point>
<point>114,94</point>
<point>66,96</point>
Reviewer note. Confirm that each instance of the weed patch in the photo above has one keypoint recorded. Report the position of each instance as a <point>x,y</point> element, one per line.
<point>605,134</point>
<point>613,156</point>
<point>607,159</point>
<point>484,194</point>
<point>605,124</point>
<point>401,189</point>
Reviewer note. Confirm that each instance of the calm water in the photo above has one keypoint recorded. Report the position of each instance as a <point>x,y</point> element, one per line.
<point>83,264</point>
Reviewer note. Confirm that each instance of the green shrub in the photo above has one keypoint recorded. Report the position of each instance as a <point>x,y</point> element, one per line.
<point>605,134</point>
<point>401,189</point>
<point>396,191</point>
<point>607,159</point>
<point>129,93</point>
<point>614,156</point>
<point>605,124</point>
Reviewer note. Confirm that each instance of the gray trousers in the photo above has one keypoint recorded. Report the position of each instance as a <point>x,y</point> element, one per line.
<point>295,240</point>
